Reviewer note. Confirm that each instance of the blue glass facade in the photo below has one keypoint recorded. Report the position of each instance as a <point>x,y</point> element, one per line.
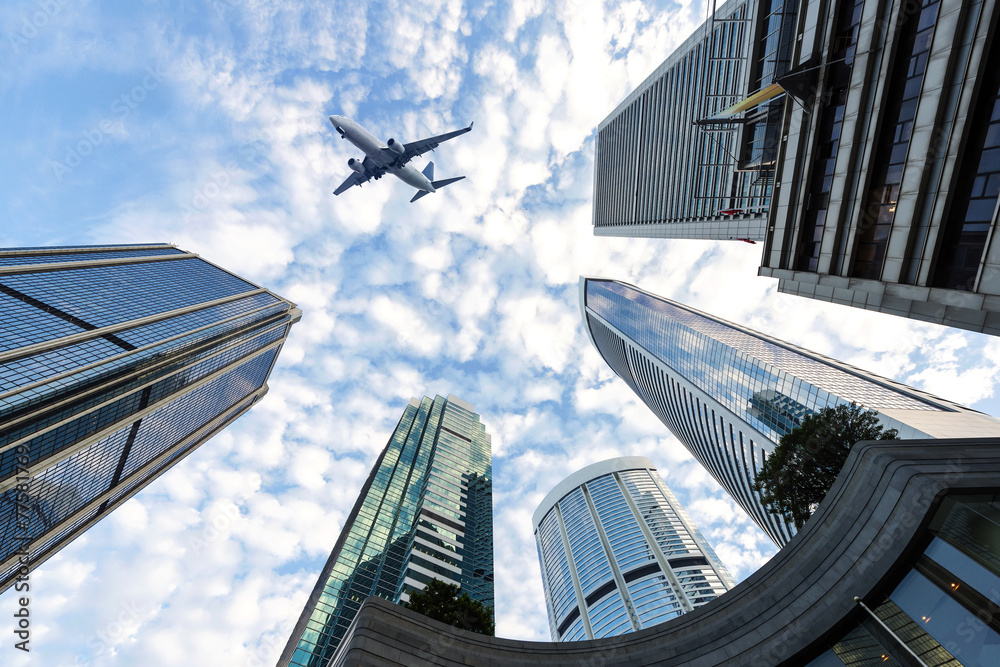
<point>727,393</point>
<point>944,606</point>
<point>618,553</point>
<point>115,363</point>
<point>426,512</point>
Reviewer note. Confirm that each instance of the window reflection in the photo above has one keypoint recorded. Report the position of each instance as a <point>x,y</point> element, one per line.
<point>952,625</point>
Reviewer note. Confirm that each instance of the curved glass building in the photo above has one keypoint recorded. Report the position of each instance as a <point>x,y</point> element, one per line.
<point>619,553</point>
<point>729,393</point>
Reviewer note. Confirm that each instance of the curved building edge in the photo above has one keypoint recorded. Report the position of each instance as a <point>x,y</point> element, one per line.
<point>584,475</point>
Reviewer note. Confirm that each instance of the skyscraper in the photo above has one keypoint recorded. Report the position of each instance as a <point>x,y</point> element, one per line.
<point>425,512</point>
<point>859,140</point>
<point>116,362</point>
<point>670,162</point>
<point>729,393</point>
<point>619,553</point>
<point>893,171</point>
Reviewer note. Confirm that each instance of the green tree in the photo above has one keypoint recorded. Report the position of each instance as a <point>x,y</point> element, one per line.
<point>446,603</point>
<point>802,468</point>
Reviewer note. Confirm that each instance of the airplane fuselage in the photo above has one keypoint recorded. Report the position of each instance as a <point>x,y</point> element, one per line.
<point>374,149</point>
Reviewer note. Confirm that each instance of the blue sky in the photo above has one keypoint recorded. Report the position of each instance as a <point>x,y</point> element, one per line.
<point>203,123</point>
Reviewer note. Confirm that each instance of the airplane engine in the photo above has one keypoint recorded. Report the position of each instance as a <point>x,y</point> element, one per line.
<point>397,146</point>
<point>356,165</point>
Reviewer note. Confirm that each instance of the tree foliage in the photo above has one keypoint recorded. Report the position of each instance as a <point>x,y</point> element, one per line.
<point>802,468</point>
<point>446,603</point>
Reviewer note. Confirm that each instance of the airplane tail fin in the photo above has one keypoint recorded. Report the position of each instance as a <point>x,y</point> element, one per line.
<point>437,186</point>
<point>429,171</point>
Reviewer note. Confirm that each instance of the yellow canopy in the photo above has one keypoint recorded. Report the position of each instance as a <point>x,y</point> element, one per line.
<point>762,95</point>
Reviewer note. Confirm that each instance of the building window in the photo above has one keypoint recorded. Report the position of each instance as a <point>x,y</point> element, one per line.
<point>830,124</point>
<point>963,237</point>
<point>902,94</point>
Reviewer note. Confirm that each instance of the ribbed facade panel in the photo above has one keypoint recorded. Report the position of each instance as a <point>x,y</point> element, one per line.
<point>426,512</point>
<point>619,554</point>
<point>657,173</point>
<point>115,363</point>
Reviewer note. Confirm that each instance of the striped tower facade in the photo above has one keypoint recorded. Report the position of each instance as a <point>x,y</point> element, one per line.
<point>619,553</point>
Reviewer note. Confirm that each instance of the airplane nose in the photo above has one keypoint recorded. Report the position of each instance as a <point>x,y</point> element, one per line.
<point>333,121</point>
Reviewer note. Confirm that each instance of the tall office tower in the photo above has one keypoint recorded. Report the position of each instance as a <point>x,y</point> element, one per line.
<point>426,512</point>
<point>116,362</point>
<point>670,162</point>
<point>619,553</point>
<point>874,125</point>
<point>891,173</point>
<point>729,393</point>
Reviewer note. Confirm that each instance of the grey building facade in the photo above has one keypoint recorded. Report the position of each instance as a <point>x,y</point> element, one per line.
<point>899,569</point>
<point>729,393</point>
<point>116,362</point>
<point>618,553</point>
<point>425,512</point>
<point>891,169</point>
<point>859,140</point>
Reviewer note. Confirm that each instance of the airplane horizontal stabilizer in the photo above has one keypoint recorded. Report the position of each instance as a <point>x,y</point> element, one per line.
<point>447,181</point>
<point>437,186</point>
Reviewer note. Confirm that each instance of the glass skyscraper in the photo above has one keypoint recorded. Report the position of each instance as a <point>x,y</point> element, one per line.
<point>425,512</point>
<point>116,362</point>
<point>671,161</point>
<point>619,553</point>
<point>729,393</point>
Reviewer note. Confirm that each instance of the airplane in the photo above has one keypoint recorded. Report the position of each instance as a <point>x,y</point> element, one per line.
<point>391,157</point>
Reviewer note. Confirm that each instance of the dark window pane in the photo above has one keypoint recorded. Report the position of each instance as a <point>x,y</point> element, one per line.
<point>898,154</point>
<point>927,18</point>
<point>981,210</point>
<point>992,186</point>
<point>993,136</point>
<point>990,161</point>
<point>894,174</point>
<point>912,88</point>
<point>907,110</point>
<point>978,186</point>
<point>922,41</point>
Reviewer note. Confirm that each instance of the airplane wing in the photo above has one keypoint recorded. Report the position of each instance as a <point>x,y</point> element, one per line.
<point>417,148</point>
<point>371,171</point>
<point>354,179</point>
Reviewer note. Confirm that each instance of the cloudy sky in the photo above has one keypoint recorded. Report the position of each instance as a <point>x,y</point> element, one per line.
<point>203,123</point>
